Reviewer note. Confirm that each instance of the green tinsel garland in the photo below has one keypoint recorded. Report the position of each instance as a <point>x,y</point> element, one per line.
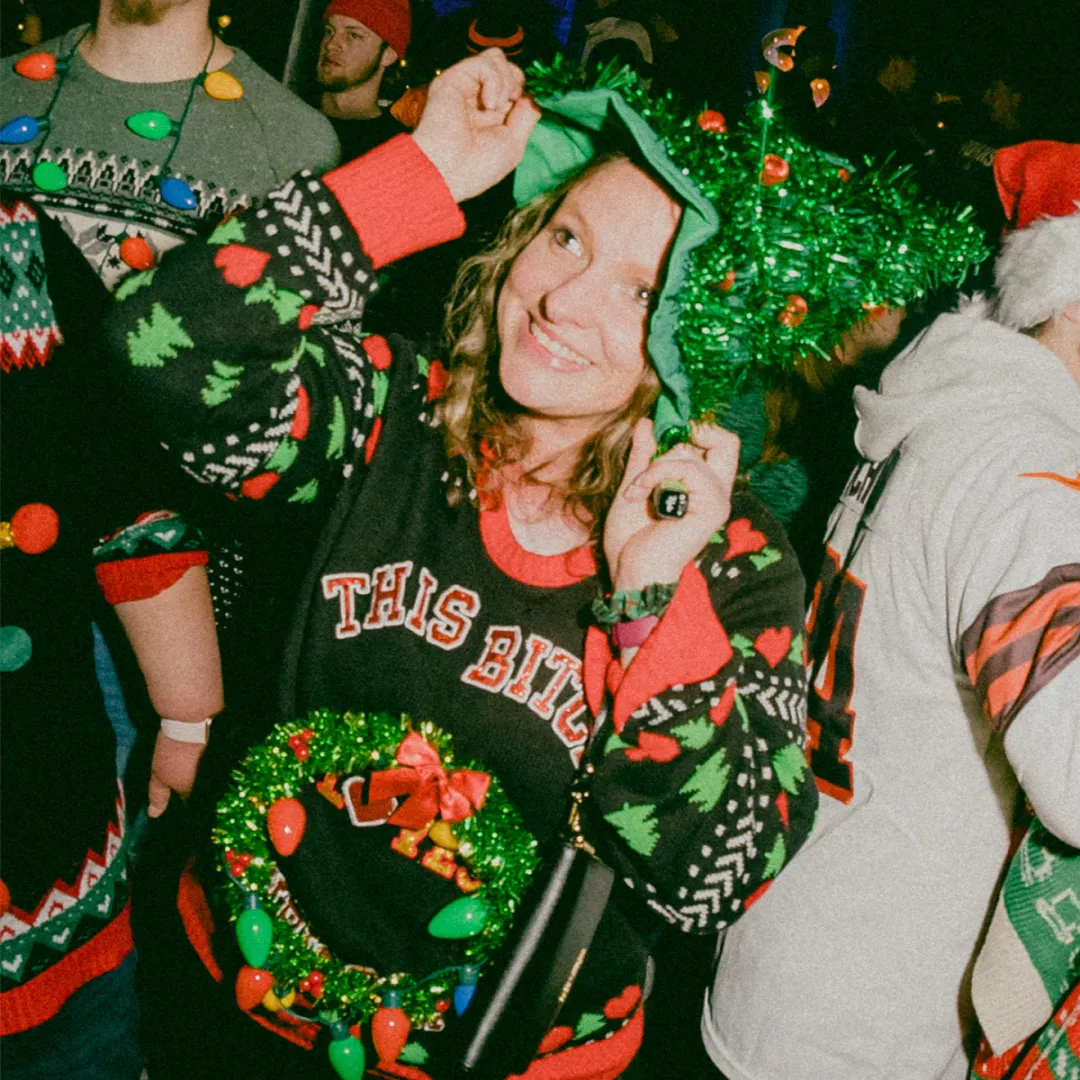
<point>493,841</point>
<point>809,243</point>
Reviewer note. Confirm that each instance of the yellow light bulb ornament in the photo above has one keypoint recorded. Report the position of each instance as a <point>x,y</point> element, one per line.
<point>222,86</point>
<point>224,21</point>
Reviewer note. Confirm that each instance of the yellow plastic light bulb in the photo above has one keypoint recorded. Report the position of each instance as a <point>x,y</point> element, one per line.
<point>271,1002</point>
<point>223,86</point>
<point>441,834</point>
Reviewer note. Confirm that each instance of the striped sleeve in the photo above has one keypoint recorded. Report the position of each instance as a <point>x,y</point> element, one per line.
<point>1021,640</point>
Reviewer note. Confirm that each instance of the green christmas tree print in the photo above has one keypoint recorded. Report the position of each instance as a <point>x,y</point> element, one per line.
<point>708,781</point>
<point>220,383</point>
<point>286,304</point>
<point>775,859</point>
<point>790,766</point>
<point>155,340</point>
<point>637,826</point>
<point>133,283</point>
<point>588,1024</point>
<point>336,449</point>
<point>695,734</point>
<point>307,493</point>
<point>283,457</point>
<point>230,231</point>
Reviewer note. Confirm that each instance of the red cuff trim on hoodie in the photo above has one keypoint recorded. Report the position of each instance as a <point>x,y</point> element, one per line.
<point>688,646</point>
<point>605,1059</point>
<point>126,580</point>
<point>396,200</point>
<point>42,997</point>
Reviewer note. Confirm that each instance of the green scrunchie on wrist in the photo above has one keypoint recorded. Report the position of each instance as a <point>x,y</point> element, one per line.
<point>625,606</point>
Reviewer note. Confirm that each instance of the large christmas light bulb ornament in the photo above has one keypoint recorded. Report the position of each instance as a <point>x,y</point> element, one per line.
<point>461,918</point>
<point>48,176</point>
<point>390,1027</point>
<point>285,822</point>
<point>254,932</point>
<point>177,193</point>
<point>22,129</point>
<point>465,990</point>
<point>820,90</point>
<point>137,253</point>
<point>152,124</point>
<point>346,1052</point>
<point>251,986</point>
<point>38,66</point>
<point>222,86</point>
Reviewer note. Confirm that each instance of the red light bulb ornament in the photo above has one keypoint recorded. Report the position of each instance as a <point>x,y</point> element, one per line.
<point>254,932</point>
<point>390,1027</point>
<point>346,1052</point>
<point>252,983</point>
<point>285,822</point>
<point>39,66</point>
<point>136,253</point>
<point>774,170</point>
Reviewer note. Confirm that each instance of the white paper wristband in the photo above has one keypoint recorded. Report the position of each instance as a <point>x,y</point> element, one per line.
<point>184,731</point>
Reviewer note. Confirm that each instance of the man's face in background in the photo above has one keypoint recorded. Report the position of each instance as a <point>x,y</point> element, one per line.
<point>350,54</point>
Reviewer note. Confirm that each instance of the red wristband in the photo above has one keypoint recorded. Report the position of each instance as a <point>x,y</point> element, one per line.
<point>629,635</point>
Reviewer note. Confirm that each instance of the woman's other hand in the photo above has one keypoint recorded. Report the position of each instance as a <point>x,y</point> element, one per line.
<point>642,549</point>
<point>476,123</point>
<point>174,768</point>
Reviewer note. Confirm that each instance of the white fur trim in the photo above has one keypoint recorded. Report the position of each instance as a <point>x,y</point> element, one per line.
<point>1038,272</point>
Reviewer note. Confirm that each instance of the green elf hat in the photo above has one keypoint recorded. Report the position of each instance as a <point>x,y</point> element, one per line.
<point>564,140</point>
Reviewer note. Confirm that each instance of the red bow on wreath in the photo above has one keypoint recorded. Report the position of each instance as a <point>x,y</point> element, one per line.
<point>431,790</point>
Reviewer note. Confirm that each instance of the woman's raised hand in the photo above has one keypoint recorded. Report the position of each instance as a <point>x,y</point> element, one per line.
<point>641,549</point>
<point>476,123</point>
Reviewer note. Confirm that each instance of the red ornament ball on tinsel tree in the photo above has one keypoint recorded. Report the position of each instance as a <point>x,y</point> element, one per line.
<point>711,120</point>
<point>774,169</point>
<point>795,309</point>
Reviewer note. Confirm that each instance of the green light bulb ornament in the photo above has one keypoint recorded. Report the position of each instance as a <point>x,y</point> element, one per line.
<point>346,1052</point>
<point>254,932</point>
<point>152,124</point>
<point>462,918</point>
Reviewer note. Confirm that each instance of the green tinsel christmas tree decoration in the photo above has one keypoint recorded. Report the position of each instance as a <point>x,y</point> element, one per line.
<point>808,245</point>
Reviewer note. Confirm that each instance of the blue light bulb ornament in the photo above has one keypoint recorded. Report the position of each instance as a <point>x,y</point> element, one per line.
<point>254,932</point>
<point>346,1052</point>
<point>465,990</point>
<point>178,194</point>
<point>22,129</point>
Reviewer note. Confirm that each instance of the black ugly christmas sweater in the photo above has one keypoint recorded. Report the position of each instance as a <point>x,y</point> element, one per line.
<point>701,794</point>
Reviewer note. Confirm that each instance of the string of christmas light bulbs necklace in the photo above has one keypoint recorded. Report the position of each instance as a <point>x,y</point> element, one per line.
<point>150,124</point>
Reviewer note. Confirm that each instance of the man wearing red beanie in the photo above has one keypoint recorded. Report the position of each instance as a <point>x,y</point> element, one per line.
<point>361,40</point>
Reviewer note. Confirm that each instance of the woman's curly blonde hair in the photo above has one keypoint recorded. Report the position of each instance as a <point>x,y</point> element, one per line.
<point>481,424</point>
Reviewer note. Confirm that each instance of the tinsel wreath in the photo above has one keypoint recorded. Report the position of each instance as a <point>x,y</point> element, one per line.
<point>809,244</point>
<point>260,817</point>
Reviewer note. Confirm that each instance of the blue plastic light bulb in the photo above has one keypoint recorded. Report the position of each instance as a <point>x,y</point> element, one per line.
<point>22,129</point>
<point>178,194</point>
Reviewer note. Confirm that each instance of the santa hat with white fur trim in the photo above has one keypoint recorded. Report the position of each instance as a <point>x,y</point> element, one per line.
<point>1038,271</point>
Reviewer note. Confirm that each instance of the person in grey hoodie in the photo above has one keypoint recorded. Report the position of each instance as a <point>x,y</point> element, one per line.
<point>945,632</point>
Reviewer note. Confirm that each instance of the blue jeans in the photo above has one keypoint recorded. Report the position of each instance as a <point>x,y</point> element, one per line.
<point>95,1036</point>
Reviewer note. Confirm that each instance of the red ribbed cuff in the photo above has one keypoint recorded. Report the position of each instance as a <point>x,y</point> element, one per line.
<point>42,997</point>
<point>126,580</point>
<point>396,200</point>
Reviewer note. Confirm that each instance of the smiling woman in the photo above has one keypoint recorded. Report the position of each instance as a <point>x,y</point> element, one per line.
<point>472,518</point>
